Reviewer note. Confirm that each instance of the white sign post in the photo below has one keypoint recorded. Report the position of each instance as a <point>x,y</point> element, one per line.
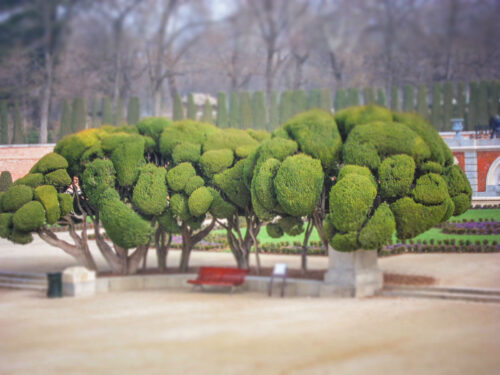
<point>279,271</point>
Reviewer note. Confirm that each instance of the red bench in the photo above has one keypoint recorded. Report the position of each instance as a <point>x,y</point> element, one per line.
<point>223,276</point>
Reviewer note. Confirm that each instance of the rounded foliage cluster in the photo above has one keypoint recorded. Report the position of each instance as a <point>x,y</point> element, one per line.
<point>150,192</point>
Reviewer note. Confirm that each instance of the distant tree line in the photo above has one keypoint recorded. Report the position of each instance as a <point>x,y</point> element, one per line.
<point>475,103</point>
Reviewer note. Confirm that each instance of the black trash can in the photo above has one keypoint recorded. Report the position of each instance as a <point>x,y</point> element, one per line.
<point>54,285</point>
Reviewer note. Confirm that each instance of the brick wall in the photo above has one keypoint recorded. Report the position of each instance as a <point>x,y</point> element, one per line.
<point>19,159</point>
<point>484,161</point>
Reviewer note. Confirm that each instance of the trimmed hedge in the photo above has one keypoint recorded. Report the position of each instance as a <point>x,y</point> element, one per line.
<point>298,184</point>
<point>47,196</point>
<point>193,183</point>
<point>65,203</point>
<point>5,180</point>
<point>179,206</point>
<point>179,176</point>
<point>186,151</point>
<point>263,183</point>
<point>348,118</point>
<point>153,126</point>
<point>274,230</point>
<point>430,189</point>
<point>231,183</point>
<point>6,224</point>
<point>229,139</point>
<point>15,197</point>
<point>199,201</point>
<point>356,169</point>
<point>29,217</point>
<point>396,175</point>
<point>59,178</point>
<point>21,238</point>
<point>150,192</point>
<point>345,241</point>
<point>32,180</point>
<point>216,161</point>
<point>351,200</point>
<point>168,223</point>
<point>219,208</point>
<point>185,131</point>
<point>49,163</point>
<point>292,226</point>
<point>379,229</point>
<point>128,158</point>
<point>99,176</point>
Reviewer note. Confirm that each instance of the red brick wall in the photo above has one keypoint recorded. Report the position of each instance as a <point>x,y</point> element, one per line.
<point>484,161</point>
<point>461,159</point>
<point>18,160</point>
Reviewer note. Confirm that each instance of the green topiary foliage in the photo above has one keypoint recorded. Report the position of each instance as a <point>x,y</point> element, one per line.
<point>216,161</point>
<point>365,144</point>
<point>369,95</point>
<point>298,184</point>
<point>47,196</point>
<point>207,115</point>
<point>65,203</point>
<point>195,223</point>
<point>231,183</point>
<point>179,206</point>
<point>422,102</point>
<point>15,197</point>
<point>274,230</point>
<point>345,241</point>
<point>199,201</point>
<point>381,97</point>
<point>150,192</point>
<point>440,152</point>
<point>219,208</point>
<point>99,176</point>
<point>408,99</point>
<point>243,152</point>
<point>259,110</point>
<point>274,114</point>
<point>193,183</point>
<point>325,100</point>
<point>178,176</point>
<point>317,135</point>
<point>245,111</point>
<point>32,180</point>
<point>263,184</point>
<point>351,200</point>
<point>6,224</point>
<point>185,131</point>
<point>353,96</point>
<point>59,178</point>
<point>340,100</point>
<point>29,217</point>
<point>150,145</point>
<point>431,167</point>
<point>292,226</point>
<point>5,180</point>
<point>430,189</point>
<point>153,126</point>
<point>178,108</point>
<point>461,203</point>
<point>222,115</point>
<point>259,135</point>
<point>192,110</point>
<point>92,153</point>
<point>49,163</point>
<point>73,146</point>
<point>286,106</point>
<point>123,226</point>
<point>234,110</point>
<point>186,151</point>
<point>127,158</point>
<point>379,229</point>
<point>450,209</point>
<point>299,101</point>
<point>328,228</point>
<point>349,118</point>
<point>231,139</point>
<point>396,175</point>
<point>4,123</point>
<point>133,110</point>
<point>260,211</point>
<point>457,181</point>
<point>413,218</point>
<point>168,223</point>
<point>21,238</point>
<point>356,169</point>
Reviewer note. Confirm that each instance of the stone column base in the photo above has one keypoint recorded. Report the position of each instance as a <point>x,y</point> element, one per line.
<point>78,282</point>
<point>352,274</point>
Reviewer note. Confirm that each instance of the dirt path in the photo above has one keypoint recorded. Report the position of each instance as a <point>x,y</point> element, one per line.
<point>213,333</point>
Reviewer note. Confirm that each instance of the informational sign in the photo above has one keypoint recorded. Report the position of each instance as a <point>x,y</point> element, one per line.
<point>279,269</point>
<point>279,272</point>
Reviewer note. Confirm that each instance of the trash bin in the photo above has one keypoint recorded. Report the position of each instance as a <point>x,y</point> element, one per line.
<point>55,285</point>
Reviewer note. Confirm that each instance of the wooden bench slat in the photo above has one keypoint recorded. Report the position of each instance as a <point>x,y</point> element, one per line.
<point>220,276</point>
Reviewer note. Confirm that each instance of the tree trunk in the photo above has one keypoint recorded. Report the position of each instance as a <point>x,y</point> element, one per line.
<point>162,248</point>
<point>307,235</point>
<point>134,260</point>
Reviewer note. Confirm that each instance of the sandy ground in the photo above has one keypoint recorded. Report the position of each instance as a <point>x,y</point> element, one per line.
<point>165,332</point>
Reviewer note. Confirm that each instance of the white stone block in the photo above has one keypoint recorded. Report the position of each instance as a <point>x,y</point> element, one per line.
<point>78,282</point>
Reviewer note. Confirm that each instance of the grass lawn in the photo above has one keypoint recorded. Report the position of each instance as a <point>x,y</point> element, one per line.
<point>434,233</point>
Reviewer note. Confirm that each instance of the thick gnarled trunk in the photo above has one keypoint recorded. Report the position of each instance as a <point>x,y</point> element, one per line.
<point>189,239</point>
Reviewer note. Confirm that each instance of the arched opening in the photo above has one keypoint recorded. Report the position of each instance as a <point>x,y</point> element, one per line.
<point>493,177</point>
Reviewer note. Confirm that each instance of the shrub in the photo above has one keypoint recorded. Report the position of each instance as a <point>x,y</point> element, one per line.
<point>431,167</point>
<point>219,208</point>
<point>123,226</point>
<point>47,196</point>
<point>15,197</point>
<point>356,169</point>
<point>430,189</point>
<point>348,118</point>
<point>216,161</point>
<point>199,201</point>
<point>232,184</point>
<point>345,241</point>
<point>59,178</point>
<point>263,184</point>
<point>232,139</point>
<point>396,176</point>
<point>179,206</point>
<point>21,238</point>
<point>29,217</point>
<point>168,223</point>
<point>317,135</point>
<point>150,192</point>
<point>193,183</point>
<point>189,152</point>
<point>298,184</point>
<point>292,226</point>
<point>6,224</point>
<point>379,229</point>
<point>73,146</point>
<point>98,177</point>
<point>184,131</point>
<point>5,180</point>
<point>32,180</point>
<point>461,204</point>
<point>178,176</point>
<point>153,126</point>
<point>274,230</point>
<point>328,227</point>
<point>366,143</point>
<point>128,158</point>
<point>65,203</point>
<point>351,200</point>
<point>49,163</point>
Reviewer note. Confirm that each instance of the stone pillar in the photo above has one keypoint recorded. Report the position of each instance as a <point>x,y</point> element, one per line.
<point>352,274</point>
<point>78,282</point>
